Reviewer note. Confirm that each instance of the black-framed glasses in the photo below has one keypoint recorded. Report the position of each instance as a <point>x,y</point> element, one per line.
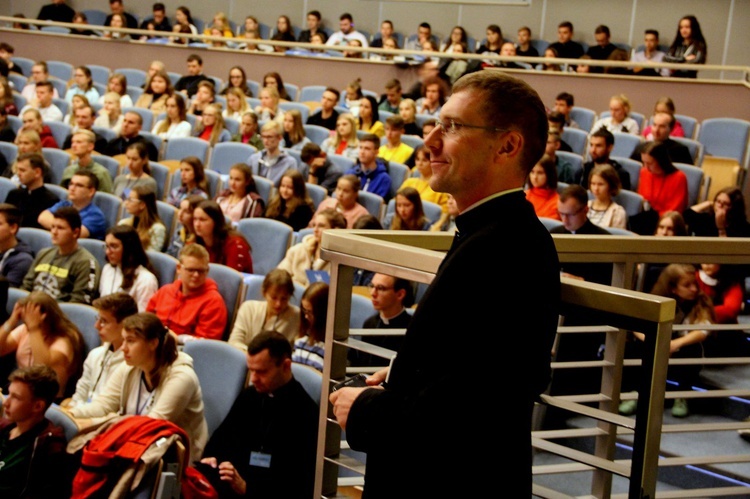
<point>379,288</point>
<point>452,127</point>
<point>579,210</point>
<point>195,271</point>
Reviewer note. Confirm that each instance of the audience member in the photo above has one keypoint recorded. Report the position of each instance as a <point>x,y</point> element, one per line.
<point>77,102</point>
<point>565,47</point>
<point>327,116</point>
<point>601,142</point>
<point>102,361</point>
<point>183,24</point>
<point>273,395</point>
<point>57,11</point>
<point>650,53</point>
<point>39,74</point>
<point>32,197</point>
<point>43,103</point>
<point>188,84</point>
<point>724,216</point>
<point>84,120</point>
<point>118,21</point>
<point>391,99</point>
<point>725,290</point>
<point>456,67</point>
<point>175,124</point>
<point>346,32</point>
<point>152,363</point>
<point>353,96</point>
<point>603,48</point>
<point>344,200</point>
<point>604,184</point>
<point>417,40</point>
<point>421,182</point>
<point>309,346</point>
<point>128,271</point>
<point>394,149</point>
<point>370,169</point>
<point>564,103</point>
<point>665,105</point>
<point>369,116</point>
<point>39,332</point>
<point>184,232</point>
<point>662,185</point>
<point>321,171</point>
<point>408,213</point>
<point>81,190</point>
<point>237,104</point>
<point>283,32</point>
<point>16,256</point>
<point>204,96</point>
<point>434,94</point>
<point>274,80</point>
<point>305,255</point>
<point>314,26</point>
<point>689,46</point>
<point>344,142</point>
<point>241,199</point>
<point>191,306</point>
<point>492,45</point>
<point>273,311</point>
<point>294,130</point>
<point>269,109</point>
<point>7,102</point>
<point>140,204</point>
<point>83,85</point>
<point>407,110</point>
<point>158,21</point>
<point>32,121</point>
<point>271,162</point>
<point>660,131</point>
<point>447,223</point>
<point>117,8</point>
<point>37,461</point>
<point>565,170</point>
<point>291,203</point>
<point>524,48</point>
<point>619,119</point>
<point>132,123</point>
<point>670,224</point>
<point>158,89</point>
<point>82,147</point>
<point>211,126</point>
<point>110,115</point>
<point>137,172</point>
<point>7,52</point>
<point>551,53</point>
<point>541,189</point>
<point>249,131</point>
<point>237,78</point>
<point>225,245</point>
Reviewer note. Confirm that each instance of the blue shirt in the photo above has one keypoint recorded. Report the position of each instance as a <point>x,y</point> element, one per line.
<point>272,169</point>
<point>91,217</point>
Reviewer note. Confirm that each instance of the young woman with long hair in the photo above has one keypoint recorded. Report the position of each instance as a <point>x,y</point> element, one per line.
<point>237,104</point>
<point>138,171</point>
<point>269,105</point>
<point>369,116</point>
<point>309,347</point>
<point>722,216</point>
<point>110,115</point>
<point>283,32</point>
<point>83,85</point>
<point>211,126</point>
<point>541,189</point>
<point>141,205</point>
<point>458,36</point>
<point>158,89</point>
<point>273,79</point>
<point>175,123</point>
<point>183,231</point>
<point>237,78</point>
<point>6,98</point>
<point>127,270</point>
<point>241,199</point>
<point>204,97</point>
<point>192,181</point>
<point>604,184</point>
<point>661,183</point>
<point>39,332</point>
<point>294,130</point>
<point>118,83</point>
<point>689,46</point>
<point>291,203</point>
<point>156,380</point>
<point>345,141</point>
<point>225,245</point>
<point>408,213</point>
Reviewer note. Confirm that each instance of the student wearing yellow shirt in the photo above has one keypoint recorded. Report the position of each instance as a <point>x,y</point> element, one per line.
<point>394,149</point>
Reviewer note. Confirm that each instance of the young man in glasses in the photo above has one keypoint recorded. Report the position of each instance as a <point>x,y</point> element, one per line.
<point>492,131</point>
<point>191,306</point>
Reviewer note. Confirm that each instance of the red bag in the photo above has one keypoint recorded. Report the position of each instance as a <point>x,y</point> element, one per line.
<point>196,486</point>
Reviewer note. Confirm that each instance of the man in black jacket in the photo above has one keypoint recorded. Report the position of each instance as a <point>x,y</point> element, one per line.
<point>661,127</point>
<point>57,11</point>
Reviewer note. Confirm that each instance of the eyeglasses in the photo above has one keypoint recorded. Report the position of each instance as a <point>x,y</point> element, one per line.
<point>378,288</point>
<point>133,200</point>
<point>451,127</point>
<point>195,271</point>
<point>113,247</point>
<point>306,311</point>
<point>579,210</point>
<point>101,320</point>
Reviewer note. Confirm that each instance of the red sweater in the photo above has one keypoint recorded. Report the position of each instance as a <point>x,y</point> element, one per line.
<point>731,301</point>
<point>48,140</point>
<point>202,313</point>
<point>664,192</point>
<point>544,201</point>
<point>235,254</point>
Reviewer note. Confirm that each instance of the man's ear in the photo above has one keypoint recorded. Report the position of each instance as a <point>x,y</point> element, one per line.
<point>512,145</point>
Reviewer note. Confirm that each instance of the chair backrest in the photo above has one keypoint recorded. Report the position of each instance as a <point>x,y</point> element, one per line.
<point>311,93</point>
<point>299,236</point>
<point>61,69</point>
<point>168,215</point>
<point>60,191</point>
<point>630,200</point>
<point>625,144</point>
<point>431,210</point>
<point>232,125</point>
<point>617,231</point>
<point>576,139</point>
<point>58,161</point>
<point>222,371</point>
<point>696,183</point>
<point>302,108</point>
<point>105,132</point>
<point>633,167</point>
<point>310,378</point>
<point>146,115</point>
<point>317,133</point>
<point>60,85</point>
<point>14,294</point>
<point>398,173</point>
<point>214,182</point>
<point>226,154</point>
<point>99,74</point>
<point>725,137</point>
<point>62,419</point>
<point>689,125</point>
<point>374,203</point>
<point>292,89</point>
<point>695,148</point>
<point>108,162</point>
<point>96,17</point>
<point>574,159</point>
<point>265,187</point>
<point>84,316</point>
<point>15,122</point>
<point>60,131</point>
<point>24,63</point>
<point>7,185</point>
<point>134,93</point>
<point>584,116</point>
<point>550,223</point>
<point>136,77</point>
<point>413,141</point>
<point>9,151</point>
<point>231,289</point>
<point>362,309</point>
<point>96,247</point>
<point>110,205</point>
<point>38,239</point>
<point>153,138</point>
<point>165,266</point>
<point>723,172</point>
<point>317,193</point>
<point>161,174</point>
<point>62,105</point>
<point>180,147</point>
<point>269,240</point>
<point>343,162</point>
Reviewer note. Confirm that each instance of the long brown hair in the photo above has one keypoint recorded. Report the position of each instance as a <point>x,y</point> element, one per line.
<point>148,326</point>
<point>315,330</point>
<point>418,218</point>
<point>149,216</point>
<point>299,197</point>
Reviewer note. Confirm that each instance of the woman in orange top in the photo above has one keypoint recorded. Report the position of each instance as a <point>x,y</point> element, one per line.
<point>542,188</point>
<point>661,183</point>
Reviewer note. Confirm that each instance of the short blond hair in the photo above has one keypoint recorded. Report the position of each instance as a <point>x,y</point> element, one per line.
<point>272,126</point>
<point>90,136</point>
